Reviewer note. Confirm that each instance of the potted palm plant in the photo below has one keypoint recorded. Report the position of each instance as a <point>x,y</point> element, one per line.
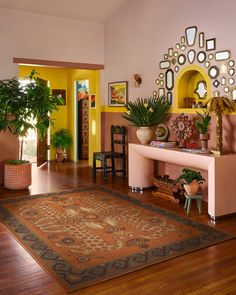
<point>202,124</point>
<point>144,113</point>
<point>220,105</point>
<point>61,141</point>
<point>19,104</point>
<point>190,179</point>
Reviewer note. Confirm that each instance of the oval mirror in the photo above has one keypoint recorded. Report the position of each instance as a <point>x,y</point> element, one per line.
<point>177,46</point>
<point>231,63</point>
<point>182,39</point>
<point>169,97</point>
<point>226,89</point>
<point>164,64</point>
<point>222,55</point>
<point>165,56</point>
<point>201,57</point>
<point>191,33</point>
<point>210,56</point>
<point>231,72</point>
<point>191,56</point>
<point>169,79</point>
<point>213,72</point>
<point>201,90</point>
<point>157,81</point>
<point>154,93</point>
<point>207,64</point>
<point>231,81</point>
<point>181,59</point>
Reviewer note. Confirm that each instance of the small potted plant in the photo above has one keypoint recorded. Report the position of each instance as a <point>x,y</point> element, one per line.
<point>61,141</point>
<point>202,124</point>
<point>191,180</point>
<point>145,113</point>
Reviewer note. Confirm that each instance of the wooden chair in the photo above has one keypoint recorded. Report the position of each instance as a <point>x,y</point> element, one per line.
<point>118,151</point>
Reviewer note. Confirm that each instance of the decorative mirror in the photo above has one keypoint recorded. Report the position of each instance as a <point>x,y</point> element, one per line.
<point>170,97</point>
<point>231,72</point>
<point>223,81</point>
<point>169,79</point>
<point>233,93</point>
<point>216,83</point>
<point>176,69</point>
<point>183,47</point>
<point>154,93</point>
<point>161,92</point>
<point>165,56</point>
<point>182,39</point>
<point>170,52</point>
<point>161,83</point>
<point>222,55</point>
<point>176,54</point>
<point>177,46</point>
<point>231,63</point>
<point>226,89</point>
<point>210,56</point>
<point>164,64</point>
<point>191,56</point>
<point>191,33</point>
<point>201,57</point>
<point>181,59</point>
<point>201,40</point>
<point>157,81</point>
<point>173,61</point>
<point>223,68</point>
<point>201,90</point>
<point>231,81</point>
<point>210,44</point>
<point>161,75</point>
<point>213,72</point>
<point>207,64</point>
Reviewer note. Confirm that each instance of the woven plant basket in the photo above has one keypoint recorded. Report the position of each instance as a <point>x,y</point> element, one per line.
<point>17,177</point>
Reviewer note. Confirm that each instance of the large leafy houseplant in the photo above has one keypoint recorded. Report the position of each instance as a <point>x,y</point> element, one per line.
<point>26,107</point>
<point>61,140</point>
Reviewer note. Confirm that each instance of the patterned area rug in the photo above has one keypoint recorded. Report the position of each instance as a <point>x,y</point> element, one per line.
<point>92,234</point>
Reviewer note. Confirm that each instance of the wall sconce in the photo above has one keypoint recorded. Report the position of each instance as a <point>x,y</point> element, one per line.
<point>138,80</point>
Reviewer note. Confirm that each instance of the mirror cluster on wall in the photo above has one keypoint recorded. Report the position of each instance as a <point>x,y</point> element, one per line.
<point>195,47</point>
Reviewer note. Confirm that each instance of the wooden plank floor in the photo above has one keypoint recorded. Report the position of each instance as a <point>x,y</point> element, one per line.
<point>208,271</point>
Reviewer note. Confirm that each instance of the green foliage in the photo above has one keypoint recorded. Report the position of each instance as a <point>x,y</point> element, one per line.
<point>189,175</point>
<point>17,162</point>
<point>61,139</point>
<point>203,121</point>
<point>142,114</point>
<point>30,103</point>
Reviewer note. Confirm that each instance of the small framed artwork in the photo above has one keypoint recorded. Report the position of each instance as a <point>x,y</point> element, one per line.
<point>117,94</point>
<point>92,101</point>
<point>82,87</point>
<point>60,93</point>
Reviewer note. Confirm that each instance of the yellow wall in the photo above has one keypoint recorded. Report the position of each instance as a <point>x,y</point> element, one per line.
<point>60,78</point>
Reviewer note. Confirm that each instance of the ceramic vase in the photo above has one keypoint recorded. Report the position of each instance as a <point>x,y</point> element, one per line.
<point>144,134</point>
<point>204,137</point>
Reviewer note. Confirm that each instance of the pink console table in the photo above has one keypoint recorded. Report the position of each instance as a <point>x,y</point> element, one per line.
<point>221,173</point>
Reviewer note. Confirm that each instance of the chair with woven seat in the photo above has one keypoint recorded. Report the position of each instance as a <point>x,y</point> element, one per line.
<point>118,151</point>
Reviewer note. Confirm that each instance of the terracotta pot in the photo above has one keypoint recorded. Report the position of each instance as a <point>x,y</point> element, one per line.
<point>144,134</point>
<point>17,177</point>
<point>61,155</point>
<point>192,188</point>
<point>204,137</point>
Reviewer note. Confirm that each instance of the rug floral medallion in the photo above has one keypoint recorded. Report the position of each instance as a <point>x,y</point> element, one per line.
<point>92,234</point>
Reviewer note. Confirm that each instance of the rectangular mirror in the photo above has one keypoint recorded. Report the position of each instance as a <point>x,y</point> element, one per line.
<point>211,44</point>
<point>222,55</point>
<point>201,40</point>
<point>164,64</point>
<point>191,33</point>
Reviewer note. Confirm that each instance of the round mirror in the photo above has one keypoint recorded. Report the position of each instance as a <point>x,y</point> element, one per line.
<point>210,56</point>
<point>231,63</point>
<point>201,57</point>
<point>226,89</point>
<point>231,81</point>
<point>157,81</point>
<point>181,59</point>
<point>213,72</point>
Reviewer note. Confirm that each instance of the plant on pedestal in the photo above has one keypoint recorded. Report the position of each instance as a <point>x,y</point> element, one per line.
<point>145,113</point>
<point>202,124</point>
<point>191,180</point>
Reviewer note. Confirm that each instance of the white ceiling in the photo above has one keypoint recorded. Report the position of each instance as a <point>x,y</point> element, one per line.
<point>87,10</point>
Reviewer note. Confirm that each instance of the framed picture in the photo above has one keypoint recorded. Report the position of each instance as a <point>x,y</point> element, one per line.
<point>92,101</point>
<point>60,93</point>
<point>118,94</point>
<point>82,87</point>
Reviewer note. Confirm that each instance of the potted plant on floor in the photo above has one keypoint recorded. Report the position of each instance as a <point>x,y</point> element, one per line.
<point>191,180</point>
<point>23,108</point>
<point>61,141</point>
<point>202,124</point>
<point>144,113</point>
